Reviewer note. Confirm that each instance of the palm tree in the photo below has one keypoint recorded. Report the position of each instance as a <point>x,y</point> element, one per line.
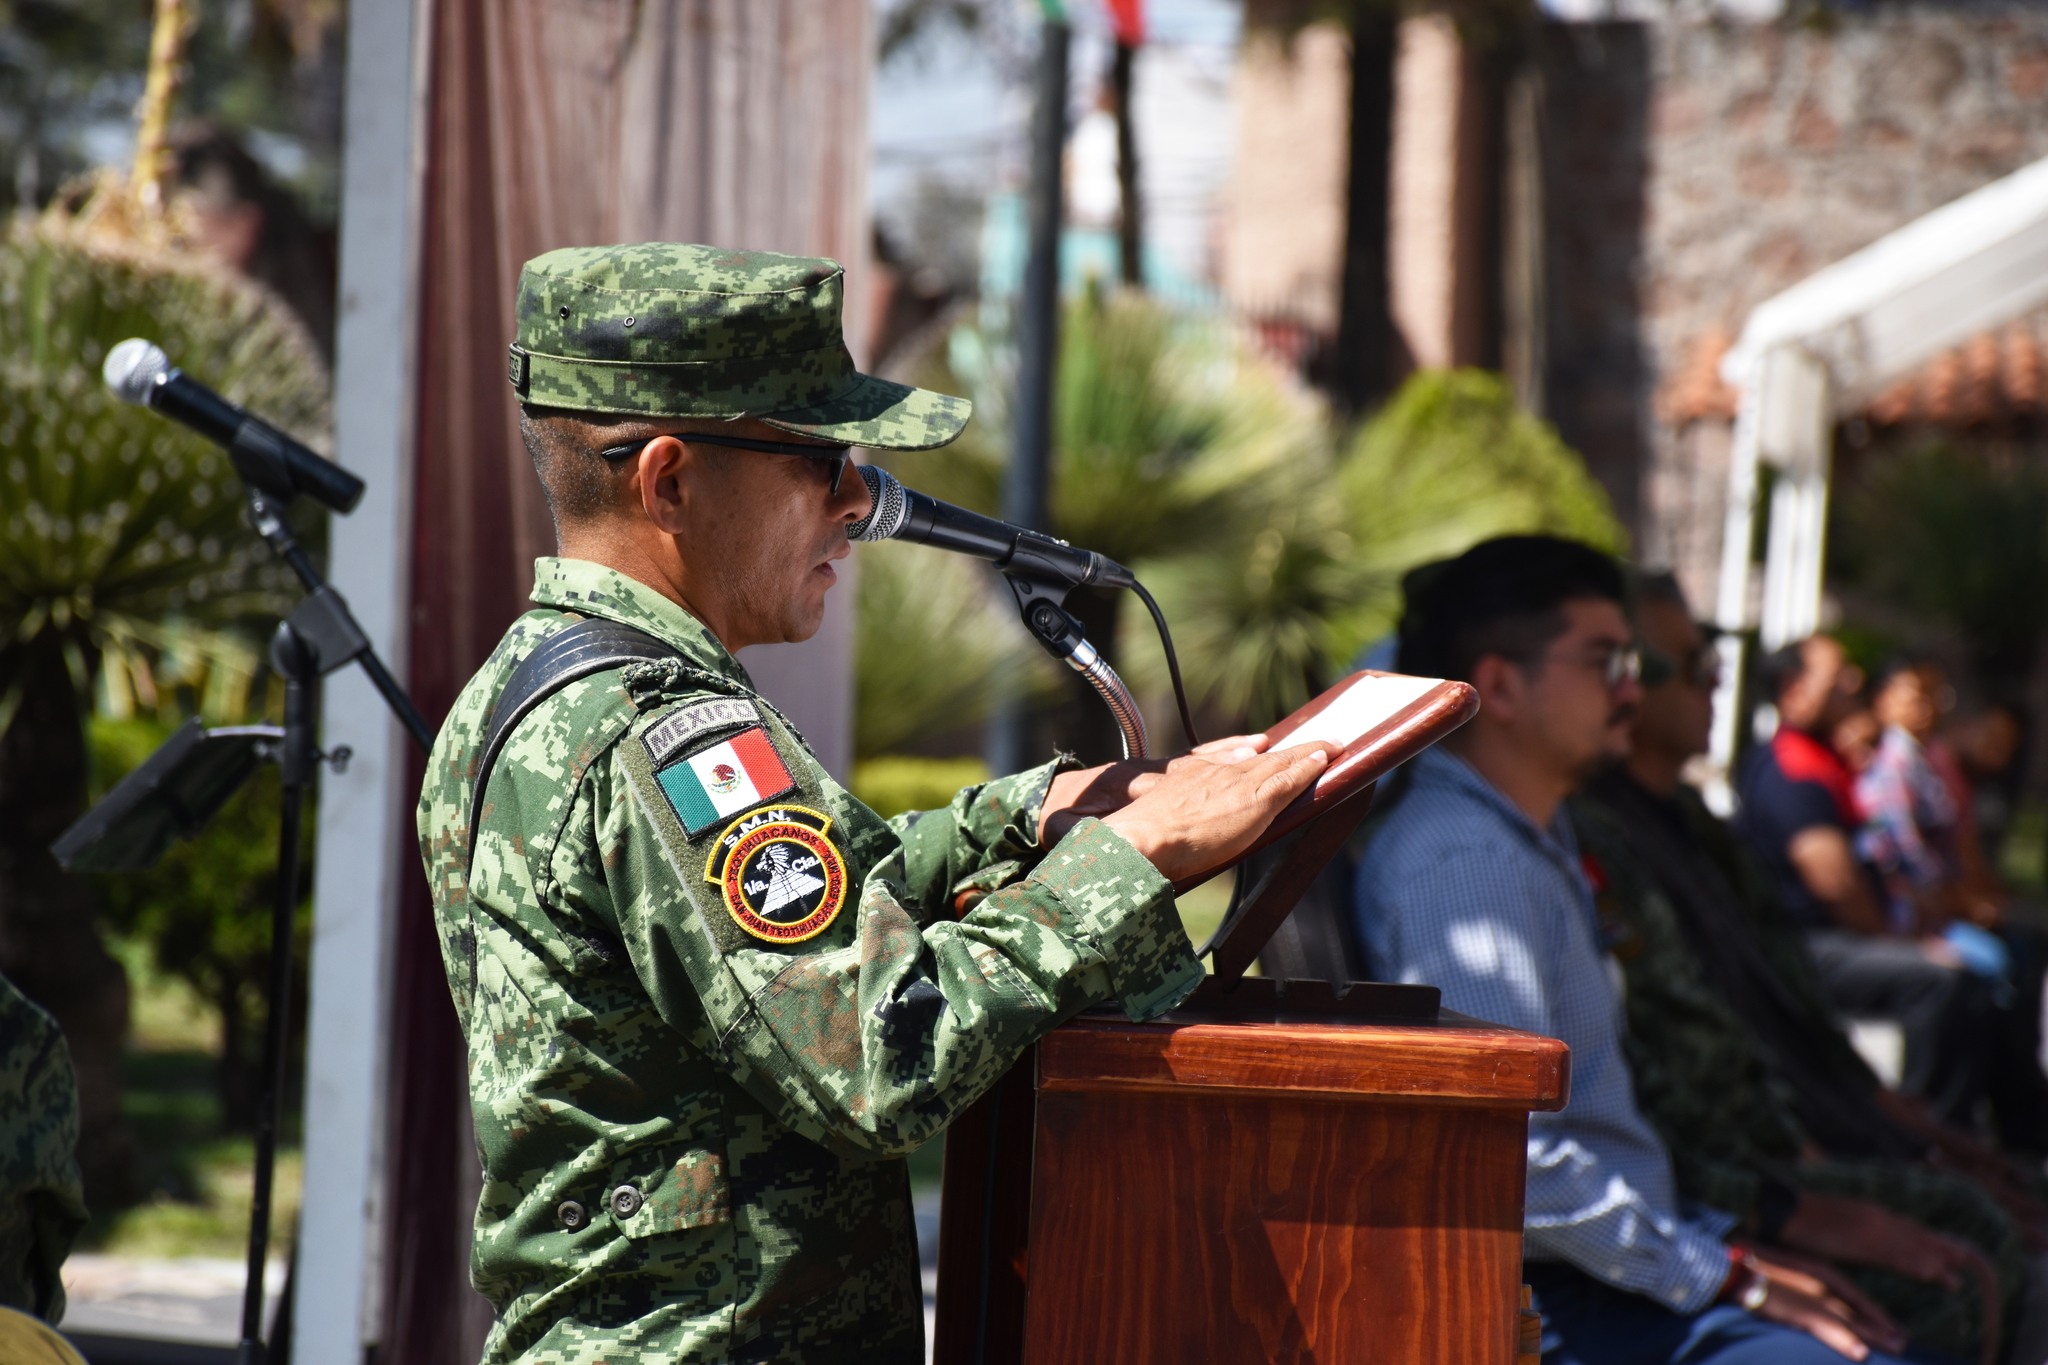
<point>1168,440</point>
<point>1452,460</point>
<point>114,524</point>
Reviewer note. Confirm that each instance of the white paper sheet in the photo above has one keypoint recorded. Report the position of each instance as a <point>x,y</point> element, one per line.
<point>1364,704</point>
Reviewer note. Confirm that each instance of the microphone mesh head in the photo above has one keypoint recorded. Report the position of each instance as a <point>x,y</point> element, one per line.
<point>132,368</point>
<point>887,510</point>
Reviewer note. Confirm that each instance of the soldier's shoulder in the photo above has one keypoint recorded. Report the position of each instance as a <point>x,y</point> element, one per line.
<point>26,1028</point>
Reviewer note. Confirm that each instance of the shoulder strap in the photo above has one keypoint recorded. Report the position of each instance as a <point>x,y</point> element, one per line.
<point>589,646</point>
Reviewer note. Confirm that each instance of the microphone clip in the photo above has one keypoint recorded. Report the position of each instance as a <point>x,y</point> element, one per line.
<point>1041,602</point>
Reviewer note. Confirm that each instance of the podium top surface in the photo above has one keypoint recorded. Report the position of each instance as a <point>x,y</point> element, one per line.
<point>1455,1061</point>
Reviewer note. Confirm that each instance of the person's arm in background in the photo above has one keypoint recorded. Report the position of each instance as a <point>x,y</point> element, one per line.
<point>1826,862</point>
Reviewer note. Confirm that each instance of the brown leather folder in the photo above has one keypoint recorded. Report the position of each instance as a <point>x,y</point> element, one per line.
<point>1378,721</point>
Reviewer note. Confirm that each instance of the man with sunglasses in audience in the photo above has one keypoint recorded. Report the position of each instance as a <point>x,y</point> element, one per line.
<point>1738,1062</point>
<point>1472,883</point>
<point>711,999</point>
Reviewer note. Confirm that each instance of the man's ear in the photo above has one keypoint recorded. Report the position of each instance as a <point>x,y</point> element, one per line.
<point>664,477</point>
<point>1501,687</point>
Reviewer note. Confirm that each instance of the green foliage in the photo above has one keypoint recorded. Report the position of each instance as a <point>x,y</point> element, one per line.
<point>121,532</point>
<point>1274,555</point>
<point>1250,621</point>
<point>1179,454</point>
<point>933,637</point>
<point>1449,462</point>
<point>1960,537</point>
<point>891,786</point>
<point>1161,428</point>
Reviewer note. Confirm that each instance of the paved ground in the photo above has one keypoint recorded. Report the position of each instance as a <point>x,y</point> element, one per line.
<point>195,1300</point>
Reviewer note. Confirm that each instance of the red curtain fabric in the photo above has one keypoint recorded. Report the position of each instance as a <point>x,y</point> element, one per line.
<point>557,123</point>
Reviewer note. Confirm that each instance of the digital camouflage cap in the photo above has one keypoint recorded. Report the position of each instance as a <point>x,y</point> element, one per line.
<point>660,329</point>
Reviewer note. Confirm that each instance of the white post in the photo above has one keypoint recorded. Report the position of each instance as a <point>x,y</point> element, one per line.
<point>364,829</point>
<point>1795,432</point>
<point>1731,602</point>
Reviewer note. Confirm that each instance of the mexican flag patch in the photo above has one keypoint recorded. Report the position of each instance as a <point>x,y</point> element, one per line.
<point>719,782</point>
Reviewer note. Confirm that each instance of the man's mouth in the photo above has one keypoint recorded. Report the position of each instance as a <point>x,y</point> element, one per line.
<point>824,566</point>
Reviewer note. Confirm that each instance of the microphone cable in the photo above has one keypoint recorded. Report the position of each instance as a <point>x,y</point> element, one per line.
<point>1180,693</point>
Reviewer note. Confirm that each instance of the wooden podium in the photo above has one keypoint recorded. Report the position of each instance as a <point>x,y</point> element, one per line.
<point>1198,1189</point>
<point>1281,1170</point>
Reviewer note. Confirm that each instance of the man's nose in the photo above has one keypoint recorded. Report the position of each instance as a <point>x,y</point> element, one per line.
<point>853,498</point>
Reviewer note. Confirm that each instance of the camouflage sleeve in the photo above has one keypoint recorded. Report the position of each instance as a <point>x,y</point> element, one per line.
<point>873,1030</point>
<point>983,838</point>
<point>42,1204</point>
<point>1725,1185</point>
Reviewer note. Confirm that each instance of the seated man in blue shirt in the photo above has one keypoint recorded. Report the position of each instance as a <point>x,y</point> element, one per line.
<point>1472,883</point>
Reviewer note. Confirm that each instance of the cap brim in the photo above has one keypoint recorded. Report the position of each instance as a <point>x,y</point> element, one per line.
<point>878,414</point>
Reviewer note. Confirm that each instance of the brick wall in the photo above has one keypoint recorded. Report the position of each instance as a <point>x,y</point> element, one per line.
<point>1693,170</point>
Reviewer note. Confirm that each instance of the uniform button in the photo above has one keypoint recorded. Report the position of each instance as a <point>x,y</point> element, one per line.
<point>571,1213</point>
<point>626,1201</point>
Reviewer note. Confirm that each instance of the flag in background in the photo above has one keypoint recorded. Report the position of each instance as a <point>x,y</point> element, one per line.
<point>1127,17</point>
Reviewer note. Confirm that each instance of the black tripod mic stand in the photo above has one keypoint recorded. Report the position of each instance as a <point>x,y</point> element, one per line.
<point>186,781</point>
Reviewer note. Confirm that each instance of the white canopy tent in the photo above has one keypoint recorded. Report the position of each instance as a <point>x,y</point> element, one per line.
<point>1831,343</point>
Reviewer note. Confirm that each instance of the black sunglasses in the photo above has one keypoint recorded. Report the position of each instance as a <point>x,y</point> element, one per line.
<point>835,454</point>
<point>1699,666</point>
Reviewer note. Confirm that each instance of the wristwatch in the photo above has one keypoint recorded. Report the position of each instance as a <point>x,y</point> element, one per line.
<point>1746,1287</point>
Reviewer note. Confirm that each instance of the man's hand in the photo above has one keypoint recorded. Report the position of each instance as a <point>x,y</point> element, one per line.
<point>1112,786</point>
<point>1207,808</point>
<point>1819,1302</point>
<point>1863,1233</point>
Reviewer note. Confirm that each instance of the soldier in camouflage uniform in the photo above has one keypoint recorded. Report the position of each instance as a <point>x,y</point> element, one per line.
<point>1727,1104</point>
<point>41,1204</point>
<point>712,999</point>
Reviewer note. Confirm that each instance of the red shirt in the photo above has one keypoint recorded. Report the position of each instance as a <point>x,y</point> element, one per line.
<point>1803,758</point>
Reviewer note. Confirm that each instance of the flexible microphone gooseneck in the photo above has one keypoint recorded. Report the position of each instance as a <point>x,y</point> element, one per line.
<point>138,371</point>
<point>1032,561</point>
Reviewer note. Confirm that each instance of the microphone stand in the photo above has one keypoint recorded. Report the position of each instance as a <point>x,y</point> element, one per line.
<point>320,636</point>
<point>324,616</point>
<point>1042,603</point>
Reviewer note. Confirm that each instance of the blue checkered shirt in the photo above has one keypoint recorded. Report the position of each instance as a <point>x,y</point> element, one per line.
<point>1463,891</point>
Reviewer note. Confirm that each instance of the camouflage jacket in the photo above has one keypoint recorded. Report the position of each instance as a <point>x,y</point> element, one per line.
<point>1699,1077</point>
<point>42,1204</point>
<point>711,1000</point>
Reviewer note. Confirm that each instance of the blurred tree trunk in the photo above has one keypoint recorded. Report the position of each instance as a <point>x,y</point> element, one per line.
<point>1361,367</point>
<point>1131,220</point>
<point>49,938</point>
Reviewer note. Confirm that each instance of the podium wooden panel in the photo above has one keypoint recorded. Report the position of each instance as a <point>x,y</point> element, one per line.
<point>1196,1189</point>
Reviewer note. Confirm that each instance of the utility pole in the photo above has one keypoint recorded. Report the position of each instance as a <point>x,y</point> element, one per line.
<point>1026,482</point>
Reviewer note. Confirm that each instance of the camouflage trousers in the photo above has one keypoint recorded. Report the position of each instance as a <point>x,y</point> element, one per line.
<point>1948,1320</point>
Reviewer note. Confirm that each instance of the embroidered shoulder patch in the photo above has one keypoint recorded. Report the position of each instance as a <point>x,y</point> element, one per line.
<point>723,779</point>
<point>782,877</point>
<point>666,738</point>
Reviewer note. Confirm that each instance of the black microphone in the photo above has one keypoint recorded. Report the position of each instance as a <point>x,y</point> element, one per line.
<point>900,513</point>
<point>139,372</point>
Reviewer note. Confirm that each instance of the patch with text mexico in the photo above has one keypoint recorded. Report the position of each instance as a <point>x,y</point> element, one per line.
<point>722,780</point>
